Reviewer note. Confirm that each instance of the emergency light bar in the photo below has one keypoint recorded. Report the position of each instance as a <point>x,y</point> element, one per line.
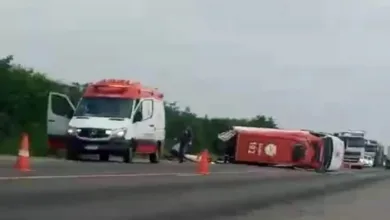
<point>104,88</point>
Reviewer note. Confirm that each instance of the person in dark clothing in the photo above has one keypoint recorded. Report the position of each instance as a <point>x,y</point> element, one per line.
<point>185,142</point>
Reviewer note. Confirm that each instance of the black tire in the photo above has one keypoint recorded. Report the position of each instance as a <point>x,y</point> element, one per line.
<point>128,156</point>
<point>104,157</point>
<point>320,170</point>
<point>298,152</point>
<point>387,165</point>
<point>71,154</point>
<point>155,157</point>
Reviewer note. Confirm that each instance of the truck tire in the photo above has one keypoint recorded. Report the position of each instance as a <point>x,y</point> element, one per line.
<point>298,152</point>
<point>387,165</point>
<point>128,155</point>
<point>104,157</point>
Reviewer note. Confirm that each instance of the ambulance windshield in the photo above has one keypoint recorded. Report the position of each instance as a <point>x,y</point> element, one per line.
<point>104,107</point>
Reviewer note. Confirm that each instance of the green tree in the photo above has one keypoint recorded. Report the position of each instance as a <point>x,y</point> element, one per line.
<point>23,106</point>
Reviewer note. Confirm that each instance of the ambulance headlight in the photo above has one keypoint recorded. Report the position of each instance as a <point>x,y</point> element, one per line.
<point>73,131</point>
<point>119,133</point>
<point>361,160</point>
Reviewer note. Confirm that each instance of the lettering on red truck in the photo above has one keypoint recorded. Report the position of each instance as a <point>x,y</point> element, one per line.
<point>255,148</point>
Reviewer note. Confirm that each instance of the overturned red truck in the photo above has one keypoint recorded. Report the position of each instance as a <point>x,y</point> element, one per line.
<point>296,148</point>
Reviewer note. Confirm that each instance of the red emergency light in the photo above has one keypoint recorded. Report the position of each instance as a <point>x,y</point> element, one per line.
<point>110,88</point>
<point>122,88</point>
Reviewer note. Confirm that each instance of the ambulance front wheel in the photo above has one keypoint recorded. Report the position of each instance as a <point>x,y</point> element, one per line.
<point>71,154</point>
<point>128,155</point>
<point>104,156</point>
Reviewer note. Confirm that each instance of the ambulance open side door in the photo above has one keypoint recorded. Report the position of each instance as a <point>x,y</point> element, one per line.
<point>145,127</point>
<point>59,112</point>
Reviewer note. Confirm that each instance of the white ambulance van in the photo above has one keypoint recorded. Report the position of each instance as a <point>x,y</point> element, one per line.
<point>113,117</point>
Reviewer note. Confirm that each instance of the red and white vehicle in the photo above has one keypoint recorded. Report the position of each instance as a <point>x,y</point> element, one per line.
<point>113,117</point>
<point>296,148</point>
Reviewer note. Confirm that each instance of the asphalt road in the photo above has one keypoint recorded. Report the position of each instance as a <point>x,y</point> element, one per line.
<point>370,202</point>
<point>142,191</point>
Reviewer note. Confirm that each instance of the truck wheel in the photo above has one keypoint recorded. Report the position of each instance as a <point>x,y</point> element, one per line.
<point>71,154</point>
<point>104,156</point>
<point>128,156</point>
<point>387,165</point>
<point>298,152</point>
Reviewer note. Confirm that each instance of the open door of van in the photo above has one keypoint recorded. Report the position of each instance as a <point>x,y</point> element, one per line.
<point>59,112</point>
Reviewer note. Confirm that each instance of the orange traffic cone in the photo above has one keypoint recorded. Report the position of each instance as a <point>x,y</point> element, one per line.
<point>203,165</point>
<point>23,161</point>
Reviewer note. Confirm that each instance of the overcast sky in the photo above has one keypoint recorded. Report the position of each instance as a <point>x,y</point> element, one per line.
<point>318,64</point>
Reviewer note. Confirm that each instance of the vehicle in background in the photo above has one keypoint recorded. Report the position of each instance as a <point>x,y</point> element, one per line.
<point>355,143</point>
<point>386,153</point>
<point>294,148</point>
<point>368,161</point>
<point>113,117</point>
<point>375,150</point>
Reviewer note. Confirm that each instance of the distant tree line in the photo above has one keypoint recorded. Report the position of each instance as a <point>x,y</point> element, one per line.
<point>23,106</point>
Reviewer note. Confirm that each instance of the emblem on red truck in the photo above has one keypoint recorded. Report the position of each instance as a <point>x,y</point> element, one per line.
<point>270,150</point>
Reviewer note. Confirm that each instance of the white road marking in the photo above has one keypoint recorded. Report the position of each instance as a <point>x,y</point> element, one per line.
<point>188,174</point>
<point>85,176</point>
<point>114,175</point>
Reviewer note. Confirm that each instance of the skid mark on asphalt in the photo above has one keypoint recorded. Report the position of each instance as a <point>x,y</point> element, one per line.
<point>4,178</point>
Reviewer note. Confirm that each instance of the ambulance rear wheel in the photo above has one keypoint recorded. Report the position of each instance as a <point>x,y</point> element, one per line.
<point>155,157</point>
<point>128,156</point>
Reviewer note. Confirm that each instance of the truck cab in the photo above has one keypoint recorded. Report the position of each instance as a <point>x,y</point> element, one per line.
<point>354,142</point>
<point>113,117</point>
<point>375,150</point>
